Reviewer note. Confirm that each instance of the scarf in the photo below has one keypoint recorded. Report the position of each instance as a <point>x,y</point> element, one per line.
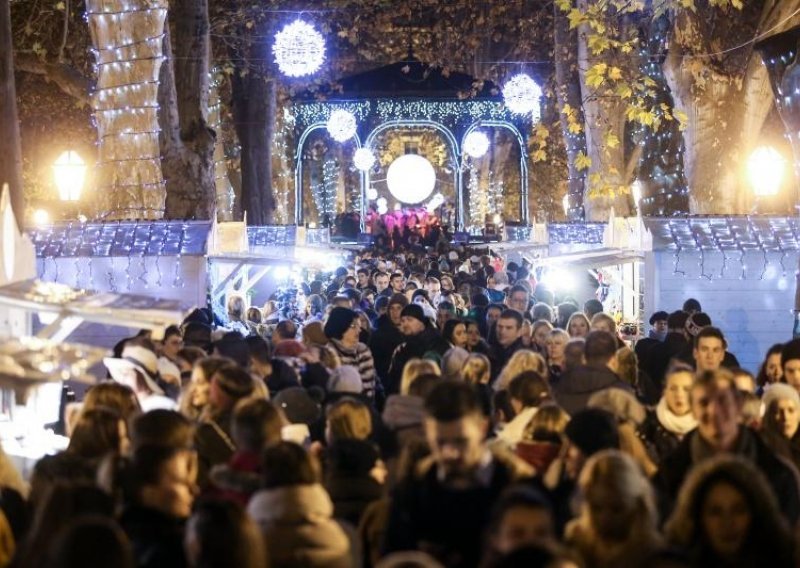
<point>678,425</point>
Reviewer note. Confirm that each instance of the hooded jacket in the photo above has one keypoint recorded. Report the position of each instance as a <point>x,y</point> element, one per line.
<point>573,390</point>
<point>298,527</point>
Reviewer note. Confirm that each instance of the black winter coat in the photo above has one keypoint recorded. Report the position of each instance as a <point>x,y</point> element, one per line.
<point>574,388</point>
<point>414,347</point>
<point>157,539</point>
<point>386,338</point>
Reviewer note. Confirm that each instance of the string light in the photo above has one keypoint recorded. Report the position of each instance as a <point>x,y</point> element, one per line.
<point>341,125</point>
<point>522,94</point>
<point>476,144</point>
<point>299,49</point>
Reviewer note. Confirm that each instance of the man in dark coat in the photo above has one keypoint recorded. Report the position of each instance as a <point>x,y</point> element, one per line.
<point>443,508</point>
<point>421,338</point>
<point>506,341</point>
<point>716,406</point>
<point>387,336</point>
<point>658,357</point>
<point>573,390</point>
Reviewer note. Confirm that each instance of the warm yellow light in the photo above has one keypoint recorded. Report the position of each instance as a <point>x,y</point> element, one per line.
<point>765,169</point>
<point>565,204</point>
<point>497,219</point>
<point>69,171</point>
<point>41,217</point>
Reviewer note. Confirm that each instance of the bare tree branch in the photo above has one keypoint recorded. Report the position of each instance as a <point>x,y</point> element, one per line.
<point>66,77</point>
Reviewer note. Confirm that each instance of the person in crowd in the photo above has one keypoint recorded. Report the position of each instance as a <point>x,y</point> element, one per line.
<point>573,390</point>
<point>543,437</point>
<point>618,523</point>
<point>422,340</point>
<point>90,541</point>
<point>744,380</point>
<point>219,533</point>
<point>790,363</point>
<point>213,441</point>
<point>555,345</point>
<point>592,307</point>
<point>770,371</point>
<point>728,515</point>
<point>236,315</point>
<point>709,349</point>
<point>573,354</point>
<point>387,336</point>
<point>98,432</point>
<point>275,373</point>
<point>542,311</point>
<point>415,368</point>
<point>521,361</point>
<point>455,333</point>
<point>165,428</point>
<point>527,391</point>
<point>779,426</point>
<point>113,396</point>
<point>539,334</point>
<point>657,333</point>
<point>716,407</point>
<point>295,513</point>
<point>526,333</point>
<point>354,477</point>
<point>453,361</point>
<point>521,517</point>
<point>256,426</point>
<point>518,298</point>
<point>158,485</point>
<point>476,343</point>
<point>578,325</point>
<point>285,330</point>
<point>404,413</point>
<point>342,327</point>
<point>137,369</point>
<point>660,356</point>
<point>493,312</point>
<point>695,324</point>
<point>444,507</point>
<point>672,418</point>
<point>692,306</point>
<point>172,344</point>
<point>194,398</point>
<point>507,340</point>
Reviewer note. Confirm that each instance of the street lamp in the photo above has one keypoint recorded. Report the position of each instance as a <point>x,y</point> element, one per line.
<point>69,172</point>
<point>765,170</point>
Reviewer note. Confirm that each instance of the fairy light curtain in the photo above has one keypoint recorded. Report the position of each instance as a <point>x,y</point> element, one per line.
<point>128,37</point>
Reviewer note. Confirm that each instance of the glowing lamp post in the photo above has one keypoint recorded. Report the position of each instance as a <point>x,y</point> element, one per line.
<point>69,172</point>
<point>765,170</point>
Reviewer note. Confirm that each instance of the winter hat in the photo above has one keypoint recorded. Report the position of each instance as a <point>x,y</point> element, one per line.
<point>345,378</point>
<point>339,321</point>
<point>780,391</point>
<point>313,334</point>
<point>400,299</point>
<point>696,322</point>
<point>139,359</point>
<point>352,458</point>
<point>298,406</point>
<point>592,430</point>
<point>658,316</point>
<point>791,350</point>
<point>415,311</point>
<point>289,348</point>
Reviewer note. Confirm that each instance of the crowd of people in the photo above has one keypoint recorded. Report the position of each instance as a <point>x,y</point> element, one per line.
<point>433,408</point>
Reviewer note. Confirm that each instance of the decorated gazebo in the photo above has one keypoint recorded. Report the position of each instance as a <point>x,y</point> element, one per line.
<point>405,108</point>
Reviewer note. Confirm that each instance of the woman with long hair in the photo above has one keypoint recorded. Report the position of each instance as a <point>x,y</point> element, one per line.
<point>539,332</point>
<point>779,426</point>
<point>521,361</point>
<point>556,343</point>
<point>771,370</point>
<point>455,333</point>
<point>578,325</point>
<point>727,515</point>
<point>672,418</point>
<point>617,525</point>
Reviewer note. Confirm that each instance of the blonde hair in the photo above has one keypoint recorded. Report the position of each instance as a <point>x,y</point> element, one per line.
<point>547,425</point>
<point>236,307</point>
<point>413,369</point>
<point>577,316</point>
<point>521,361</point>
<point>602,316</point>
<point>253,314</point>
<point>627,366</point>
<point>476,369</point>
<point>348,419</point>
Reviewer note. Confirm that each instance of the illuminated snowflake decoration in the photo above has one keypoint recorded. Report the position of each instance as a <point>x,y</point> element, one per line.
<point>364,159</point>
<point>522,94</point>
<point>372,194</point>
<point>476,144</point>
<point>299,49</point>
<point>341,125</point>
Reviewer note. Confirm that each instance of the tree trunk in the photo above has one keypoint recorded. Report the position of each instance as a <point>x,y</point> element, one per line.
<point>10,148</point>
<point>254,101</point>
<point>568,92</point>
<point>188,157</point>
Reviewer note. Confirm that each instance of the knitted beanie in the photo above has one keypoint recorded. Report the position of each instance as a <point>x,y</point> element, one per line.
<point>339,321</point>
<point>780,391</point>
<point>415,311</point>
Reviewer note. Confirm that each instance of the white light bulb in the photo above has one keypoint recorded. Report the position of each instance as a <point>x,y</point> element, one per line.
<point>522,94</point>
<point>299,49</point>
<point>341,125</point>
<point>411,178</point>
<point>476,144</point>
<point>363,159</point>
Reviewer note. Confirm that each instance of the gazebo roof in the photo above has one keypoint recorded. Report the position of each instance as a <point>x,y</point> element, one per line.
<point>409,78</point>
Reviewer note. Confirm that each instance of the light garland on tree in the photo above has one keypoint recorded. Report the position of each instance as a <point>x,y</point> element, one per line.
<point>341,125</point>
<point>476,144</point>
<point>364,159</point>
<point>299,49</point>
<point>324,192</point>
<point>522,95</point>
<point>128,37</point>
<point>224,194</point>
<point>477,202</point>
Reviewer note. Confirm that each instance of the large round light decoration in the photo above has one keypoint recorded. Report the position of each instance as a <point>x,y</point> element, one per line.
<point>765,168</point>
<point>411,178</point>
<point>363,159</point>
<point>476,144</point>
<point>372,194</point>
<point>521,95</point>
<point>299,49</point>
<point>341,125</point>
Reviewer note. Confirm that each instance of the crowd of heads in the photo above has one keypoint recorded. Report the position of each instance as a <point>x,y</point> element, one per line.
<point>434,407</point>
